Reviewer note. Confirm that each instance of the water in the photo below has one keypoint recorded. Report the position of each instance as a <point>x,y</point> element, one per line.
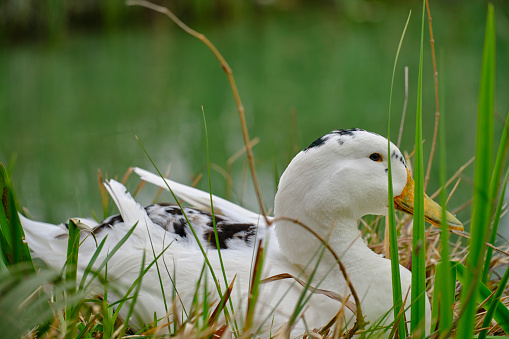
<point>70,109</point>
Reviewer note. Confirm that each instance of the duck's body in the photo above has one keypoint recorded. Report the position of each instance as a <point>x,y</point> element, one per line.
<point>328,187</point>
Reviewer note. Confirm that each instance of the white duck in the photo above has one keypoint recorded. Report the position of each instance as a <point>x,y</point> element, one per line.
<point>329,186</point>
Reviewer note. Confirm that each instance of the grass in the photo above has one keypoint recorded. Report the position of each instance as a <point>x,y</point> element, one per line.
<point>417,325</point>
<point>483,195</point>
<point>393,240</point>
<point>69,308</point>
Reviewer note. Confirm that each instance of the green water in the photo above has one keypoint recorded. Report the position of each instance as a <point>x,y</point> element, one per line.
<point>71,108</point>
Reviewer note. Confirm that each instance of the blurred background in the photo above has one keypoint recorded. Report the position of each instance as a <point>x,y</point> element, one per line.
<point>81,79</point>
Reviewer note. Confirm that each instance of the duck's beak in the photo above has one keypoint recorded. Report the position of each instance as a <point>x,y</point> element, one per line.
<point>432,211</point>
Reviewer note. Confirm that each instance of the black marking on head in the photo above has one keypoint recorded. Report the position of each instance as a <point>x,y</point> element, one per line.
<point>344,133</point>
<point>386,170</point>
<point>348,132</point>
<point>397,156</point>
<point>318,142</point>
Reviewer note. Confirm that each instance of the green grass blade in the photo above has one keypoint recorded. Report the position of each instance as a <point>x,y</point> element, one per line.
<point>481,210</point>
<point>418,242</point>
<point>206,304</point>
<point>491,310</point>
<point>174,291</point>
<point>496,222</point>
<point>108,323</point>
<point>255,285</point>
<point>91,263</point>
<point>393,237</point>
<point>445,279</point>
<point>5,248</point>
<point>202,250</point>
<point>3,260</point>
<point>501,314</point>
<point>14,250</point>
<point>495,180</point>
<point>134,298</point>
<point>301,302</point>
<point>216,235</point>
<point>111,254</point>
<point>137,282</point>
<point>215,314</point>
<point>71,271</point>
<point>161,285</point>
<point>443,297</point>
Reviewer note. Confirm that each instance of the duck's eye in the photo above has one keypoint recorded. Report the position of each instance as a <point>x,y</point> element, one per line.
<point>376,157</point>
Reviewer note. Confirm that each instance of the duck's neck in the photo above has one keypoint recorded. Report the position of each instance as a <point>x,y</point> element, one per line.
<point>302,248</point>
<point>330,211</point>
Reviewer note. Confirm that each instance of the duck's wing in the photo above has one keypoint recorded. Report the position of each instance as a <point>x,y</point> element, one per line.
<point>186,226</point>
<point>201,200</point>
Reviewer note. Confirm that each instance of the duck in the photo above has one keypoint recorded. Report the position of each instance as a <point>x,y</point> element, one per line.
<point>325,190</point>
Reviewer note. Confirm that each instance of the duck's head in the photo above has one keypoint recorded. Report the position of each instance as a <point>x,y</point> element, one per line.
<point>343,176</point>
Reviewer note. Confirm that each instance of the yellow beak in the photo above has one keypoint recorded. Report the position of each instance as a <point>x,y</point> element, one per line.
<point>432,211</point>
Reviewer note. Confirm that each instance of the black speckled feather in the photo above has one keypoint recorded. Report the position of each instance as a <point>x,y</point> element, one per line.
<point>171,218</point>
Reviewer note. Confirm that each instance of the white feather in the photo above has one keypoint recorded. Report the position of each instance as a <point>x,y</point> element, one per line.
<point>201,200</point>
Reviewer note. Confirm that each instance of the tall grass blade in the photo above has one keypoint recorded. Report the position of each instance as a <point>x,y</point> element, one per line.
<point>216,235</point>
<point>161,285</point>
<point>6,252</point>
<point>501,314</point>
<point>496,222</point>
<point>14,250</point>
<point>202,250</point>
<point>135,297</point>
<point>445,278</point>
<point>3,260</point>
<point>495,180</point>
<point>393,237</point>
<point>443,297</point>
<point>104,194</point>
<point>135,285</point>
<point>301,303</point>
<point>418,295</point>
<point>206,305</point>
<point>255,284</point>
<point>111,254</point>
<point>220,306</point>
<point>71,271</point>
<point>481,210</point>
<point>88,269</point>
<point>491,310</point>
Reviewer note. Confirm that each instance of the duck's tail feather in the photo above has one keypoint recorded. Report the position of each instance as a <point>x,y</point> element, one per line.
<point>132,213</point>
<point>129,209</point>
<point>201,200</point>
